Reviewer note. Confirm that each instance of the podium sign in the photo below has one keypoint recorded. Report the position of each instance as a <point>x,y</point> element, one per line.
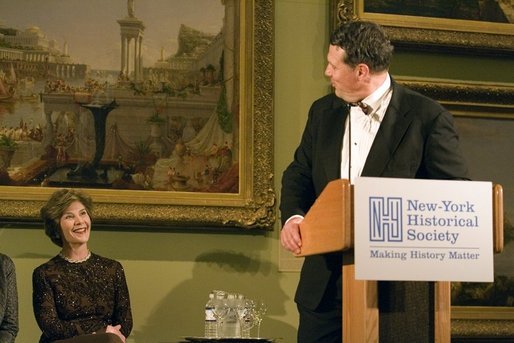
<point>423,230</point>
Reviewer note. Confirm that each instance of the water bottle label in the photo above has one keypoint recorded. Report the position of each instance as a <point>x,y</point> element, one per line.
<point>209,315</point>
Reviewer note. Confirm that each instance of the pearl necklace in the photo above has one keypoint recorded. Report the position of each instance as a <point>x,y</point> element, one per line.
<point>70,260</point>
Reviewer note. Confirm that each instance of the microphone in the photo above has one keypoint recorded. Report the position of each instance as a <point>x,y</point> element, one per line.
<point>349,143</point>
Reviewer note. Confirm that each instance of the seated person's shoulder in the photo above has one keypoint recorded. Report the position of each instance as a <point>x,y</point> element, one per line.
<point>5,260</point>
<point>108,262</point>
<point>46,267</point>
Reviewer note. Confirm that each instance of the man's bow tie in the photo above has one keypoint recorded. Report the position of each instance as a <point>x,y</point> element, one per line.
<point>364,107</point>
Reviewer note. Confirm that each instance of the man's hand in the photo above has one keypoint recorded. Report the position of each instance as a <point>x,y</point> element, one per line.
<point>290,235</point>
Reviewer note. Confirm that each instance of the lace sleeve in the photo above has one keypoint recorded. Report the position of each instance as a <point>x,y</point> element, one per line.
<point>45,309</point>
<point>122,313</point>
<point>9,321</point>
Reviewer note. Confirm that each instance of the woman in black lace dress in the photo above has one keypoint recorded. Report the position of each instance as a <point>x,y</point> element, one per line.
<point>78,296</point>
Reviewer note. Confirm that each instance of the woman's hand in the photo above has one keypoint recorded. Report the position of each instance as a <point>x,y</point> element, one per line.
<point>115,330</point>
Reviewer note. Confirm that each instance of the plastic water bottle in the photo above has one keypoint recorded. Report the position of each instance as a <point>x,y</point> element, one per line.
<point>211,328</point>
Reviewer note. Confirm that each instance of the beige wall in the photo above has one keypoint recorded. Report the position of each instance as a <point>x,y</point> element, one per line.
<point>170,273</point>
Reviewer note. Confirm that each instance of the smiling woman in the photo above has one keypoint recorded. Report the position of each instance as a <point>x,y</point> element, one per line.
<point>69,290</point>
<point>62,212</point>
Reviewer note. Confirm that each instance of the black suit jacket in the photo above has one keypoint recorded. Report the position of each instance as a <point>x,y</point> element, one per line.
<point>416,139</point>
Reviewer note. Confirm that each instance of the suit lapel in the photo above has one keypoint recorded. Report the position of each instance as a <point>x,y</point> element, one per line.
<point>396,121</point>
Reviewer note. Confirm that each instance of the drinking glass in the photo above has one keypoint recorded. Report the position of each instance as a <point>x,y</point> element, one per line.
<point>259,310</point>
<point>245,316</point>
<point>220,311</point>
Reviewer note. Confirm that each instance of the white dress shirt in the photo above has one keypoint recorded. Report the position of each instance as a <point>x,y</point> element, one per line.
<point>363,129</point>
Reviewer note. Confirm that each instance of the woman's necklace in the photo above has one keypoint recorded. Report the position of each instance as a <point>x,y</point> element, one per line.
<point>70,260</point>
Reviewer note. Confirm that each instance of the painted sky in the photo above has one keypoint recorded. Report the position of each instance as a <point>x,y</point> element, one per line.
<point>92,33</point>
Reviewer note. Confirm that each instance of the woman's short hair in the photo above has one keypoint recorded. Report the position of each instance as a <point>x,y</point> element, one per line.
<point>54,208</point>
<point>363,42</point>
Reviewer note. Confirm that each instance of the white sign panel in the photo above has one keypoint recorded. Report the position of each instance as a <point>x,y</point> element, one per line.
<point>423,230</point>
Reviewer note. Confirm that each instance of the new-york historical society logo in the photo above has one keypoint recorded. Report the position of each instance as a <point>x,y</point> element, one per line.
<point>423,230</point>
<point>385,219</point>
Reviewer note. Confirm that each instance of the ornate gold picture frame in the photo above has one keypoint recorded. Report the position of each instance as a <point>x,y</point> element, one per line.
<point>417,30</point>
<point>252,205</point>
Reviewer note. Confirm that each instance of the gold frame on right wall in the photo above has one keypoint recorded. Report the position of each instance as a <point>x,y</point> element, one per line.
<point>424,32</point>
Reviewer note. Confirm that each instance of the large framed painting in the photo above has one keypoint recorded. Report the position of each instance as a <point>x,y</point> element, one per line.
<point>484,117</point>
<point>458,25</point>
<point>161,110</point>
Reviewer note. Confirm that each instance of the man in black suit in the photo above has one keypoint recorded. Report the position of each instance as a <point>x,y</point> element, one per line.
<point>370,126</point>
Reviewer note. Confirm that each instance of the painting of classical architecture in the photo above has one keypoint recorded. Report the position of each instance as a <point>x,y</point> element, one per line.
<point>122,94</point>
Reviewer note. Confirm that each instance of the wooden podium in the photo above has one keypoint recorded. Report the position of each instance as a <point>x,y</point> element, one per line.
<point>329,227</point>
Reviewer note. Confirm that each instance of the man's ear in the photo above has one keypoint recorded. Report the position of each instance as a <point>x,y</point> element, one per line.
<point>363,70</point>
